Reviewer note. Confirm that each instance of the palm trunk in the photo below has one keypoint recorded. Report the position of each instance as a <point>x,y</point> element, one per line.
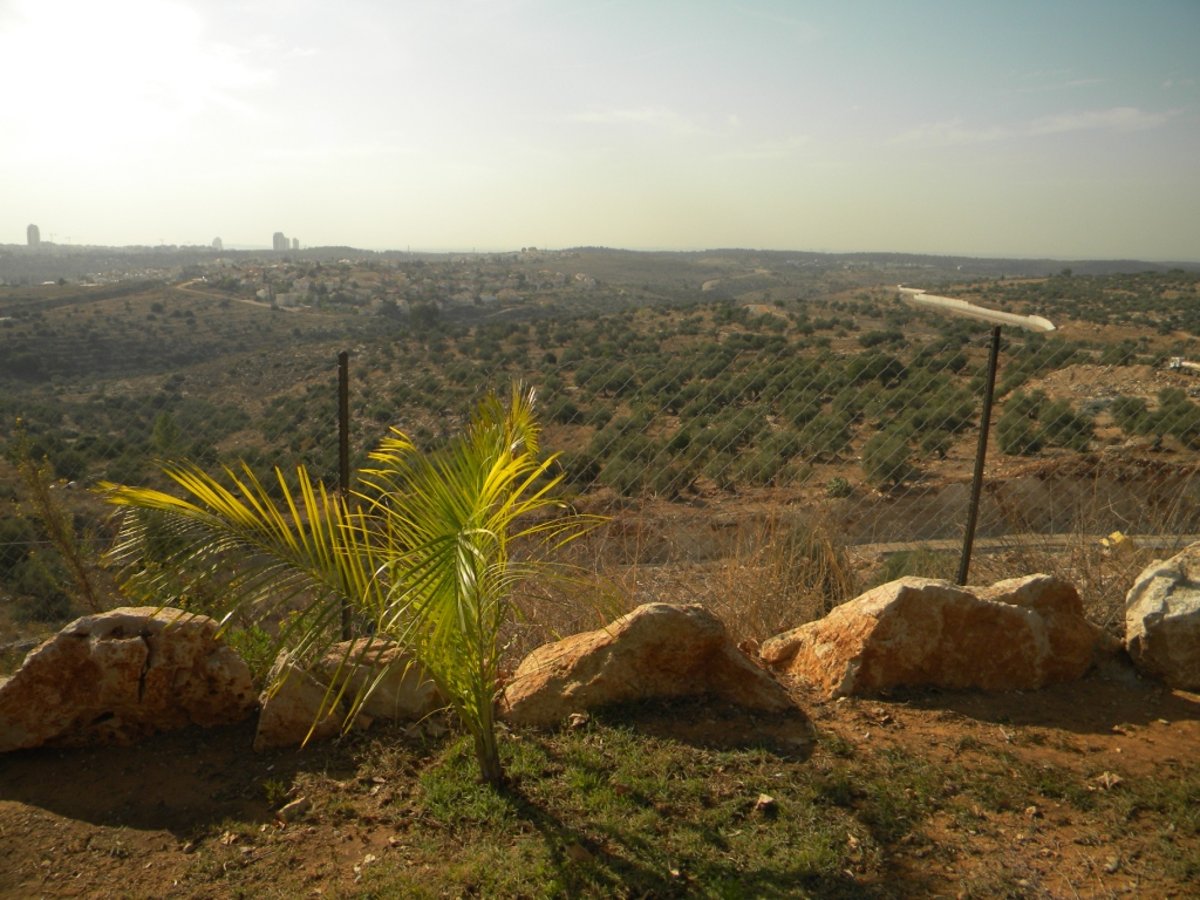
<point>487,749</point>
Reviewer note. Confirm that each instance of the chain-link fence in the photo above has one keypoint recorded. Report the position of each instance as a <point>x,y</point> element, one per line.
<point>694,421</point>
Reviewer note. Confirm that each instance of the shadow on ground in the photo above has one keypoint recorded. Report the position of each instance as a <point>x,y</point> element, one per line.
<point>1111,696</point>
<point>181,782</point>
<point>717,726</point>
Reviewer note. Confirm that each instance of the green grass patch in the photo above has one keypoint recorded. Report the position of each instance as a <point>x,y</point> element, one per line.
<point>607,810</point>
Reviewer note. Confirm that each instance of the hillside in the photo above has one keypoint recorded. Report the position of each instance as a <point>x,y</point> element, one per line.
<point>731,386</point>
<point>770,433</point>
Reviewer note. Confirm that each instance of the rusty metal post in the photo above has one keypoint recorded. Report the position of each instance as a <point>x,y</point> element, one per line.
<point>985,421</point>
<point>344,460</point>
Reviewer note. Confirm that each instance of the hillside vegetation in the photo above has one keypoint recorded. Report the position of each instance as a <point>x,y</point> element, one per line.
<point>771,433</point>
<point>682,378</point>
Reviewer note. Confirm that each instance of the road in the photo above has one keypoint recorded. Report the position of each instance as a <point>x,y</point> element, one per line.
<point>187,288</point>
<point>1171,543</point>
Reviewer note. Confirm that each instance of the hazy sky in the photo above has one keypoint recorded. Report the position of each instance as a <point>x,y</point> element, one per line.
<point>1043,128</point>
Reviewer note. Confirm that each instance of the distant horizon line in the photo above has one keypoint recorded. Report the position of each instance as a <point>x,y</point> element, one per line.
<point>475,250</point>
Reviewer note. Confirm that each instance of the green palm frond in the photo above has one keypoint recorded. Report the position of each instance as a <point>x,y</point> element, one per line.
<point>457,514</point>
<point>424,553</point>
<point>308,543</point>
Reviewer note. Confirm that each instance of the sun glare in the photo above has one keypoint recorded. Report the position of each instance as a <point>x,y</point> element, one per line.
<point>104,80</point>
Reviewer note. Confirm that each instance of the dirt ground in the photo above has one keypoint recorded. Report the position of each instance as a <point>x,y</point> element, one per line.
<point>1110,726</point>
<point>169,817</point>
<point>1086,382</point>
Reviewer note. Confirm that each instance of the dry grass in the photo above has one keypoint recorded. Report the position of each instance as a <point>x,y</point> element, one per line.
<point>1101,560</point>
<point>1102,574</point>
<point>781,573</point>
<point>760,575</point>
<point>764,570</point>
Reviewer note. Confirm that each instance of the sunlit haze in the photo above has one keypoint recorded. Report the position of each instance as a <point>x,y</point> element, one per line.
<point>1065,129</point>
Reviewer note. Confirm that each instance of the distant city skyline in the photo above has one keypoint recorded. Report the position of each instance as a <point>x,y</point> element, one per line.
<point>293,244</point>
<point>1029,129</point>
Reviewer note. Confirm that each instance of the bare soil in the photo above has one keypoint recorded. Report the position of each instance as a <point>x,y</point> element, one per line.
<point>177,815</point>
<point>1087,382</point>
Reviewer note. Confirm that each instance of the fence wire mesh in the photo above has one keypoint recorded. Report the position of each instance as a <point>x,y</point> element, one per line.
<point>692,416</point>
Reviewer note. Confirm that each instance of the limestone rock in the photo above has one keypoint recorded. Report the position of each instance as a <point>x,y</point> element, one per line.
<point>290,709</point>
<point>1162,620</point>
<point>400,690</point>
<point>1018,634</point>
<point>120,675</point>
<point>657,651</point>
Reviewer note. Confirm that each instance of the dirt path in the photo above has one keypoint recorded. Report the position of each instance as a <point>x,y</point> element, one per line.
<point>186,287</point>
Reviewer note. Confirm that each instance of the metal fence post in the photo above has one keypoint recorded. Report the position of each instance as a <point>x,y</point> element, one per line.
<point>344,460</point>
<point>964,563</point>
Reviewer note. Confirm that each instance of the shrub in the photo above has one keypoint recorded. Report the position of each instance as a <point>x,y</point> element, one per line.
<point>838,488</point>
<point>1017,431</point>
<point>1063,427</point>
<point>1132,415</point>
<point>825,437</point>
<point>37,584</point>
<point>564,411</point>
<point>886,460</point>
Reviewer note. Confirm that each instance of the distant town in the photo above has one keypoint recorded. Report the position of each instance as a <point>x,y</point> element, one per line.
<point>289,275</point>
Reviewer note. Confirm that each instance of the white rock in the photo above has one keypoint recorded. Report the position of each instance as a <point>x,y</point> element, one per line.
<point>1162,620</point>
<point>313,705</point>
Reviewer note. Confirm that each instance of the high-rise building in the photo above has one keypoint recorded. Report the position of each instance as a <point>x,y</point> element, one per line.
<point>218,244</point>
<point>33,236</point>
<point>295,243</point>
<point>279,241</point>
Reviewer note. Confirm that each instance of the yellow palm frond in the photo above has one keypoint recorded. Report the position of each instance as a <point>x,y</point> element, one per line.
<point>423,553</point>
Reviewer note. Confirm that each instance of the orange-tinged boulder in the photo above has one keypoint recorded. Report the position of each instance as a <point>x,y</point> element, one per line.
<point>659,650</point>
<point>1018,634</point>
<point>399,688</point>
<point>117,676</point>
<point>297,708</point>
